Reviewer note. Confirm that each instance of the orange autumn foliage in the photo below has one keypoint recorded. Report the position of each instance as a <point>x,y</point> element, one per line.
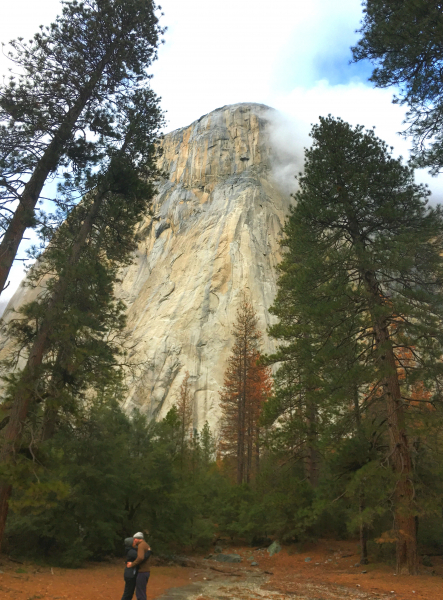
<point>247,385</point>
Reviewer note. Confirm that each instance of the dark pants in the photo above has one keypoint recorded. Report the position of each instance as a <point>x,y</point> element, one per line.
<point>129,588</point>
<point>140,585</point>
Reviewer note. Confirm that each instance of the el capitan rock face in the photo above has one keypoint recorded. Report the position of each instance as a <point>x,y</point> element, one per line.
<point>214,233</point>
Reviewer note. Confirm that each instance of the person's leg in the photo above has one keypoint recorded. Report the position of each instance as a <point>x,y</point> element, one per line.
<point>140,585</point>
<point>129,589</point>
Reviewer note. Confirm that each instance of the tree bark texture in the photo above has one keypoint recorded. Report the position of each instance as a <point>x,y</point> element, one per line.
<point>363,533</point>
<point>400,457</point>
<point>312,457</point>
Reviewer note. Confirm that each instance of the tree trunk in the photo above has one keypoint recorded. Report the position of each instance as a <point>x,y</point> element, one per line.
<point>241,452</point>
<point>240,428</point>
<point>249,440</point>
<point>400,458</point>
<point>361,500</point>
<point>363,532</point>
<point>5,494</point>
<point>312,458</point>
<point>257,450</point>
<point>24,214</point>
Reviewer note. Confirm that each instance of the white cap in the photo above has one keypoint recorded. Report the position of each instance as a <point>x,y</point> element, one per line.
<point>139,535</point>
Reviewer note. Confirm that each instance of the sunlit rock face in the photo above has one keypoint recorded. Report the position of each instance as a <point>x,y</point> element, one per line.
<point>214,234</point>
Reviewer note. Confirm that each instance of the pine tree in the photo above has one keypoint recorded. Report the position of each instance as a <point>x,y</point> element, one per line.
<point>360,282</point>
<point>61,113</point>
<point>184,407</point>
<point>404,40</point>
<point>246,387</point>
<point>207,445</point>
<point>68,337</point>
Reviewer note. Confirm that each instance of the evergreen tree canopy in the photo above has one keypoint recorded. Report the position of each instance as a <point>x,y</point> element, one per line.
<point>104,474</point>
<point>404,40</point>
<point>71,337</point>
<point>360,221</point>
<point>63,109</point>
<point>360,300</point>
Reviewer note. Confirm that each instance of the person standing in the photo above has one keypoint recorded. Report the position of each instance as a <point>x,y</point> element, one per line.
<point>142,563</point>
<point>130,574</point>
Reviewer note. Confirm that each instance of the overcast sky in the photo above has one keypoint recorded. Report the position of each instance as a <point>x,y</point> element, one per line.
<point>292,55</point>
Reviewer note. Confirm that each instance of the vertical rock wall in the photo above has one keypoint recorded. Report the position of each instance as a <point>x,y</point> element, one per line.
<point>214,234</point>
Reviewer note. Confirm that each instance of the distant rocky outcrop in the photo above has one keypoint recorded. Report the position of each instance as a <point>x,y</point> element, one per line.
<point>214,232</point>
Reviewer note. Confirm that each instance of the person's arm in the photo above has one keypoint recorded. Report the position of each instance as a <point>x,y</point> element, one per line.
<point>132,555</point>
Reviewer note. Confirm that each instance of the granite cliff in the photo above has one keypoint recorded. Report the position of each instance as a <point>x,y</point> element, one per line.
<point>213,234</point>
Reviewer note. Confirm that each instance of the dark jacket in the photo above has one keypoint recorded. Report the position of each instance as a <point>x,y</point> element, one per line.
<point>131,555</point>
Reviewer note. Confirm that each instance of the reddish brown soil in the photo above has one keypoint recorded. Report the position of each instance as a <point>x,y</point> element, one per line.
<point>93,582</point>
<point>332,564</point>
<point>330,574</point>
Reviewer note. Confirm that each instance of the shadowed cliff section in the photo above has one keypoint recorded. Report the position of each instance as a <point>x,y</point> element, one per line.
<point>214,232</point>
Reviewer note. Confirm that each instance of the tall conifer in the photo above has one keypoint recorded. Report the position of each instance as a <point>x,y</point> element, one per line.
<point>247,385</point>
<point>65,335</point>
<point>184,407</point>
<point>60,112</point>
<point>361,281</point>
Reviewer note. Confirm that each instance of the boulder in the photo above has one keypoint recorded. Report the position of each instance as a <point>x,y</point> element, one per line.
<point>274,548</point>
<point>228,558</point>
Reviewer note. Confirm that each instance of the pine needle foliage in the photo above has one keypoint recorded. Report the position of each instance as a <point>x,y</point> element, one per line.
<point>404,41</point>
<point>360,285</point>
<point>70,338</point>
<point>60,112</point>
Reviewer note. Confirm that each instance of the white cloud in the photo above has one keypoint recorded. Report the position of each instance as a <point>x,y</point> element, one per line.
<point>358,104</point>
<point>242,50</point>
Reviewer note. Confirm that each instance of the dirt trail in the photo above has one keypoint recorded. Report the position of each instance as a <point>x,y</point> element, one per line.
<point>222,589</point>
<point>325,571</point>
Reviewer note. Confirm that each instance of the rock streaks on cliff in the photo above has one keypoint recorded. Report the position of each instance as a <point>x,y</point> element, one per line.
<point>214,233</point>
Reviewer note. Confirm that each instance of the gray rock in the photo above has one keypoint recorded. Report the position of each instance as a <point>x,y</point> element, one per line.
<point>274,548</point>
<point>228,558</point>
<point>308,559</point>
<point>254,564</point>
